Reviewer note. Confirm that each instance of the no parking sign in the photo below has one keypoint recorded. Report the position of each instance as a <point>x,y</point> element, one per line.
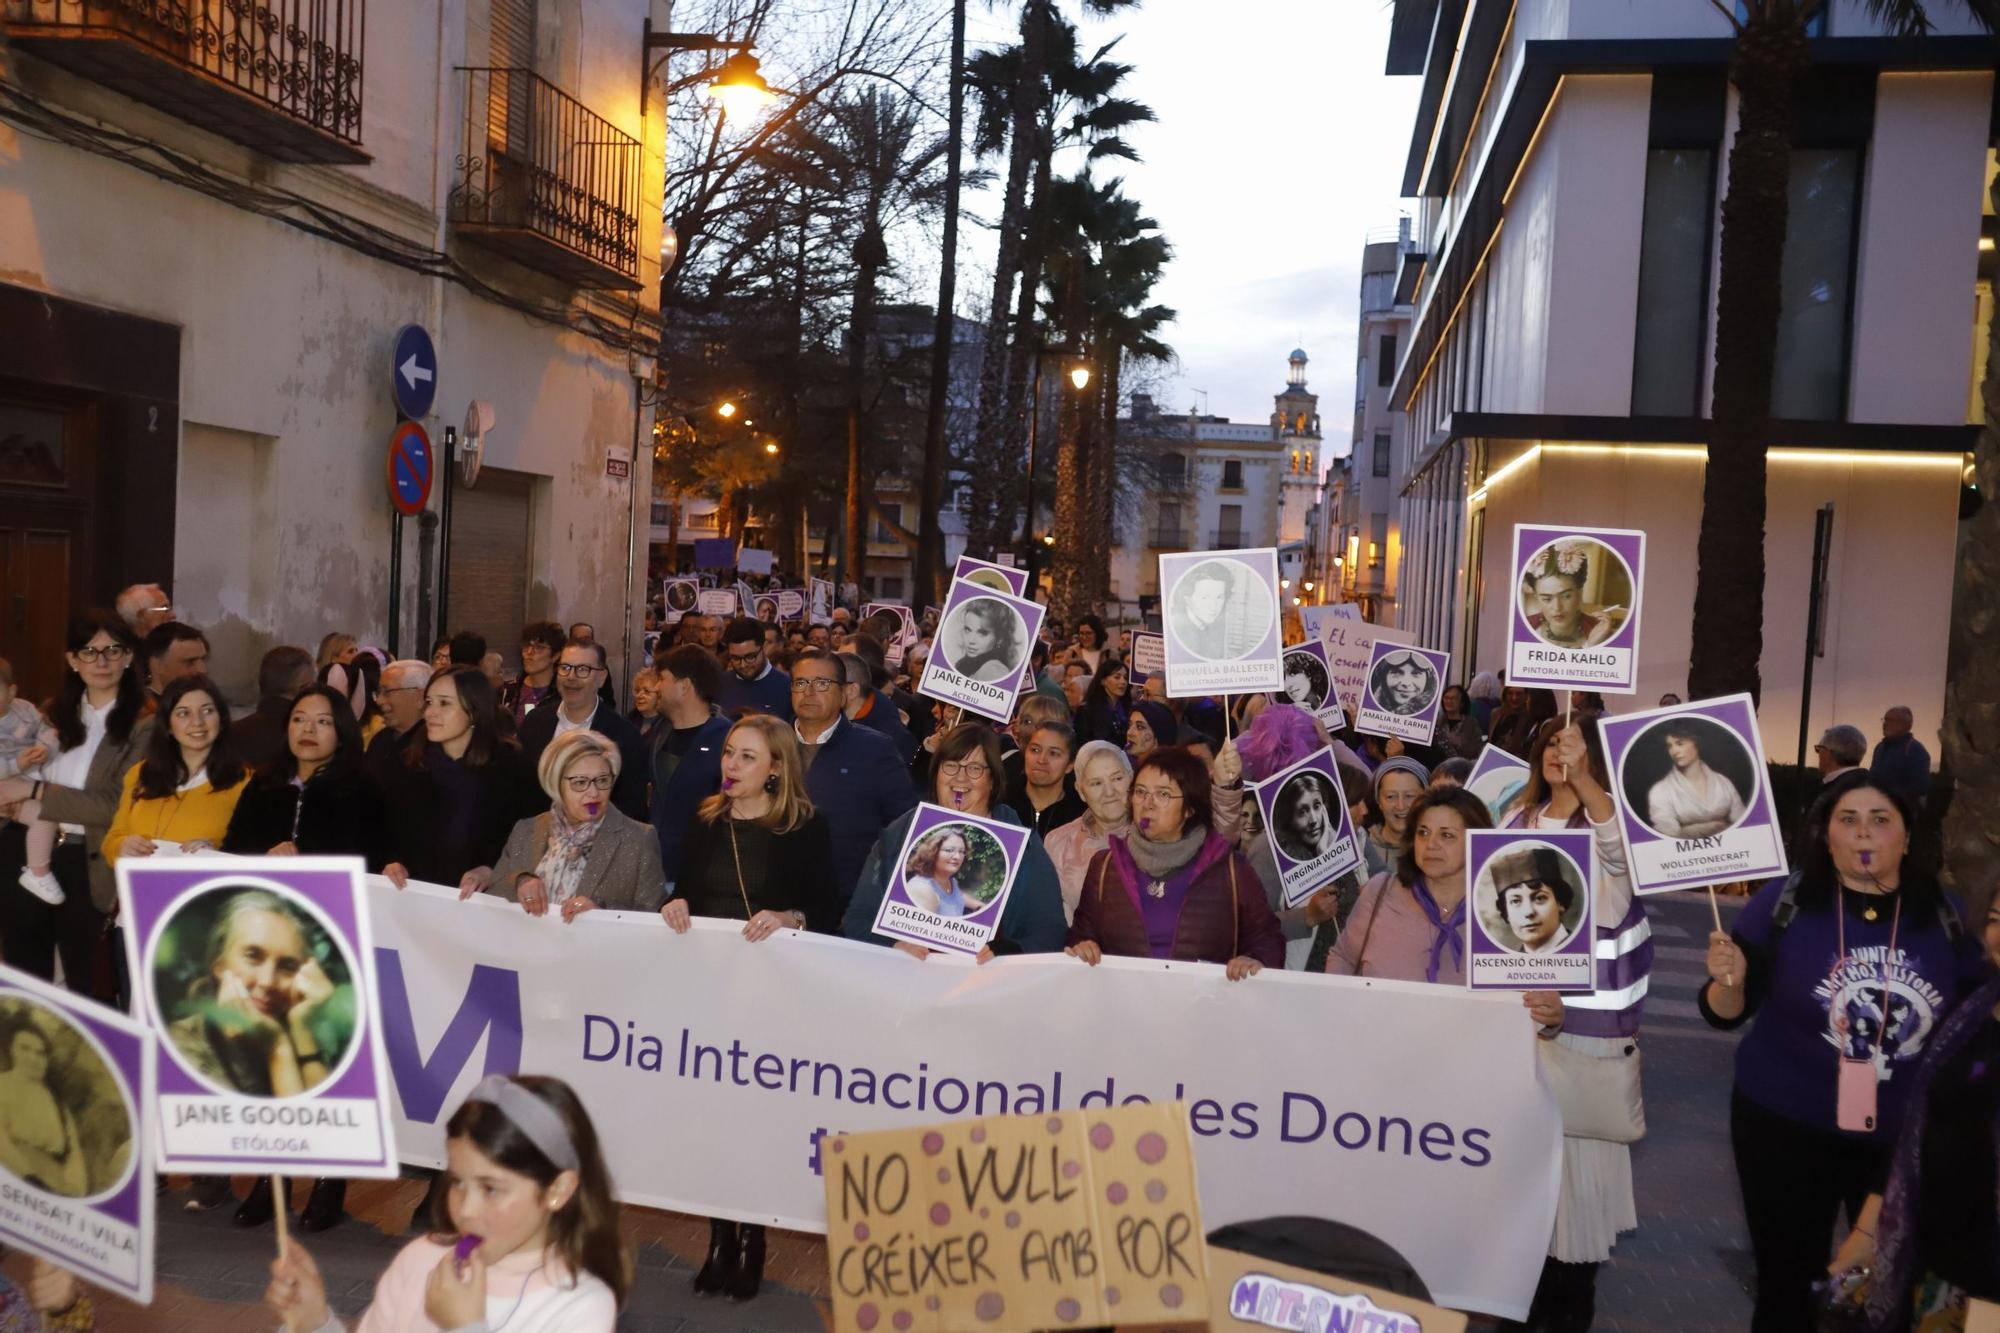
<point>410,469</point>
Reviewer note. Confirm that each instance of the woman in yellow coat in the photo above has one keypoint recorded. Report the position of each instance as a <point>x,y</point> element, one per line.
<point>181,795</point>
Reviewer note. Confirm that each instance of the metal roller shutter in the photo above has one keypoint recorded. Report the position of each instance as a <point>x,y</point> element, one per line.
<point>491,544</point>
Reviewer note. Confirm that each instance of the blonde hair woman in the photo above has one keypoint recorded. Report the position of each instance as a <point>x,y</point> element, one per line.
<point>584,852</point>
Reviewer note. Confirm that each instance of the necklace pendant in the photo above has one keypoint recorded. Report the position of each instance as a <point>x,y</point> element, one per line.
<point>1869,914</point>
<point>1157,889</point>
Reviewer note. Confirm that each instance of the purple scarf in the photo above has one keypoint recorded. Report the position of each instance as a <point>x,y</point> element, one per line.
<point>1449,929</point>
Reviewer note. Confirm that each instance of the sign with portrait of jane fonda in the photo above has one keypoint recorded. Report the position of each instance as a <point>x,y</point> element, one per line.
<point>1576,608</point>
<point>979,659</point>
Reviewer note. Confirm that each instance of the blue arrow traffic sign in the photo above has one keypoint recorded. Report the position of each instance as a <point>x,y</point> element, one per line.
<point>410,469</point>
<point>414,374</point>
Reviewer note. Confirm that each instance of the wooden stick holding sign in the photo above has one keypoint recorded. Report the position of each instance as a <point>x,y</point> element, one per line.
<point>284,1206</point>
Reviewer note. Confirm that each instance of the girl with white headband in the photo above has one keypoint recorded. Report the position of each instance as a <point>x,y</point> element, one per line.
<point>528,1243</point>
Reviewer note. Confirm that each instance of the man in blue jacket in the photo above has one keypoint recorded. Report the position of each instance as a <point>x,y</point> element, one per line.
<point>752,684</point>
<point>854,775</point>
<point>687,751</point>
<point>577,706</point>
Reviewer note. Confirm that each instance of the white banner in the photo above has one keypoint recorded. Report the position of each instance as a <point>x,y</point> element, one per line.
<point>714,1067</point>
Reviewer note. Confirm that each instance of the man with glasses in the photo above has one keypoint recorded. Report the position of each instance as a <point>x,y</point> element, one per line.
<point>854,775</point>
<point>144,607</point>
<point>400,697</point>
<point>581,668</point>
<point>752,685</point>
<point>260,738</point>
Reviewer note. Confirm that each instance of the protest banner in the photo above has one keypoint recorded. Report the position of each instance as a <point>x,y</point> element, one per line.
<point>717,602</point>
<point>999,578</point>
<point>1149,656</point>
<point>1307,821</point>
<point>1529,923</point>
<point>791,605</point>
<point>1309,683</point>
<point>1401,693</point>
<point>755,560</point>
<point>258,973</point>
<point>1248,1292</point>
<point>76,1161</point>
<point>1017,1223</point>
<point>979,660</point>
<point>1576,608</point>
<point>1350,646</point>
<point>1453,1159</point>
<point>1316,620</point>
<point>820,602</point>
<point>1694,795</point>
<point>1497,777</point>
<point>951,880</point>
<point>1220,610</point>
<point>678,596</point>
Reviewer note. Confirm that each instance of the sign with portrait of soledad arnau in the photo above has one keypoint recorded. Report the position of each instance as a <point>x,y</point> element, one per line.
<point>1528,911</point>
<point>1497,777</point>
<point>1309,683</point>
<point>76,1168</point>
<point>979,659</point>
<point>951,879</point>
<point>1401,691</point>
<point>717,602</point>
<point>1306,819</point>
<point>1000,578</point>
<point>1694,795</point>
<point>1220,613</point>
<point>1149,655</point>
<point>1576,608</point>
<point>1071,1219</point>
<point>258,974</point>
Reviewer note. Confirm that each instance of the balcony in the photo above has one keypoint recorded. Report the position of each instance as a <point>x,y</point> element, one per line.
<point>1168,536</point>
<point>1175,483</point>
<point>1228,539</point>
<point>280,76</point>
<point>546,181</point>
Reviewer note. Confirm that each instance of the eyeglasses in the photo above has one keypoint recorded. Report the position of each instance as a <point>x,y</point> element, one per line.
<point>580,785</point>
<point>954,769</point>
<point>745,659</point>
<point>577,669</point>
<point>1160,794</point>
<point>817,684</point>
<point>115,652</point>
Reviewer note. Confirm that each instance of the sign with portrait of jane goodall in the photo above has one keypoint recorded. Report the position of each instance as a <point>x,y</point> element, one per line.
<point>1401,692</point>
<point>980,656</point>
<point>258,973</point>
<point>76,1161</point>
<point>951,880</point>
<point>1000,578</point>
<point>1306,819</point>
<point>1694,795</point>
<point>1576,608</point>
<point>1220,613</point>
<point>1528,910</point>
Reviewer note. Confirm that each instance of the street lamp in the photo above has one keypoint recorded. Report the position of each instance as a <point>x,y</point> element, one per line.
<point>725,409</point>
<point>1079,376</point>
<point>770,446</point>
<point>740,87</point>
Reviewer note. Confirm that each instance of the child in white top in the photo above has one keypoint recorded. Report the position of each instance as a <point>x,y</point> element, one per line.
<point>27,741</point>
<point>529,1197</point>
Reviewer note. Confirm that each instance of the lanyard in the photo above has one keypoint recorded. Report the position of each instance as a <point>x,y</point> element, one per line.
<point>1881,973</point>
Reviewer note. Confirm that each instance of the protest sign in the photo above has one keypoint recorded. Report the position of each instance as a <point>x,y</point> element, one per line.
<point>76,1170</point>
<point>1497,777</point>
<point>950,881</point>
<point>1694,794</point>
<point>1350,646</point>
<point>820,602</point>
<point>1529,923</point>
<point>1307,821</point>
<point>1309,683</point>
<point>717,602</point>
<point>1220,610</point>
<point>1149,656</point>
<point>1401,692</point>
<point>979,660</point>
<point>1316,620</point>
<point>258,973</point>
<point>1248,1292</point>
<point>791,605</point>
<point>678,596</point>
<point>764,607</point>
<point>754,560</point>
<point>1576,608</point>
<point>903,639</point>
<point>999,578</point>
<point>1016,1223</point>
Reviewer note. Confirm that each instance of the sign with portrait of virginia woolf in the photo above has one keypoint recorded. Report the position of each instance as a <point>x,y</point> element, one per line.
<point>1576,608</point>
<point>979,659</point>
<point>258,974</point>
<point>1528,917</point>
<point>1307,821</point>
<point>1220,610</point>
<point>76,1161</point>
<point>1694,795</point>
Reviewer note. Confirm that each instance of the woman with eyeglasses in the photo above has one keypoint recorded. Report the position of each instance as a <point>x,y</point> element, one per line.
<point>102,721</point>
<point>584,852</point>
<point>966,777</point>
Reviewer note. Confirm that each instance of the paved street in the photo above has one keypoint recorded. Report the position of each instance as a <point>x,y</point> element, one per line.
<point>1686,1269</point>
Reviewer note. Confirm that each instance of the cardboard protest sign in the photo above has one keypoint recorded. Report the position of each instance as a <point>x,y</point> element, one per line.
<point>1694,795</point>
<point>1013,1223</point>
<point>905,638</point>
<point>1149,656</point>
<point>764,607</point>
<point>1315,620</point>
<point>999,578</point>
<point>1576,608</point>
<point>717,602</point>
<point>76,1169</point>
<point>1306,819</point>
<point>819,600</point>
<point>1528,926</point>
<point>1246,1292</point>
<point>1309,683</point>
<point>1350,646</point>
<point>980,658</point>
<point>1497,777</point>
<point>679,596</point>
<point>259,975</point>
<point>951,879</point>
<point>1220,609</point>
<point>791,605</point>
<point>1402,691</point>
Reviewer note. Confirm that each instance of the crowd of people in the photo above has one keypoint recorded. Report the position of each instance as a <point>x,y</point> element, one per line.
<point>770,773</point>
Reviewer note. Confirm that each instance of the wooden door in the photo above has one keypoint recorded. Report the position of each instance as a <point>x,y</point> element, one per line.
<point>47,479</point>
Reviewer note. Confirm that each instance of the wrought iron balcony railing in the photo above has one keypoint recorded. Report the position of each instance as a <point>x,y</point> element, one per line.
<point>1168,536</point>
<point>546,181</point>
<point>280,76</point>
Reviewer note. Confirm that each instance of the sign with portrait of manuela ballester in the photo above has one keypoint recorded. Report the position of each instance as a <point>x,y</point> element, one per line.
<point>1220,610</point>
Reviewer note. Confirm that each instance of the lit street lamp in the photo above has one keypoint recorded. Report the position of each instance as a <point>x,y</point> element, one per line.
<point>740,87</point>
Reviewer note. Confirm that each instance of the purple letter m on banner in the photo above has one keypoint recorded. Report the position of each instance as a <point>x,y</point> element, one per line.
<point>492,1007</point>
